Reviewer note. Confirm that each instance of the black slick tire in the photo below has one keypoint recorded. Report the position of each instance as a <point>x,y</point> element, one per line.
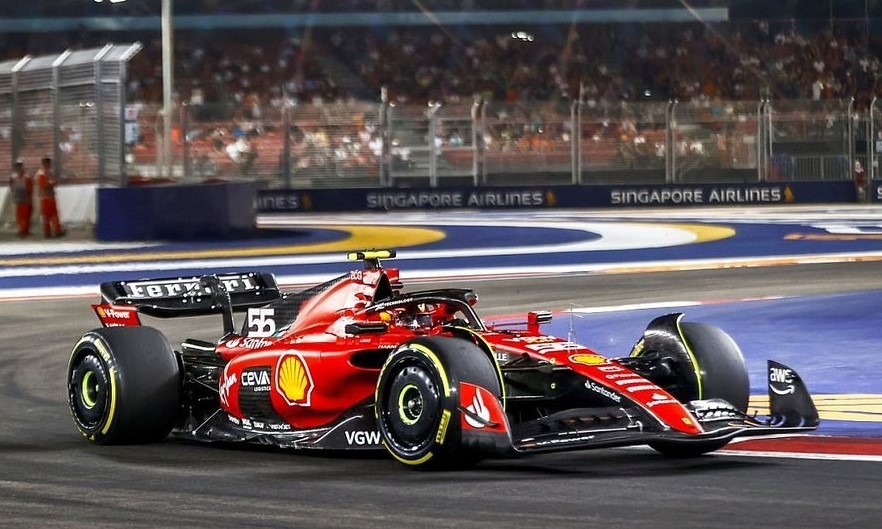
<point>722,375</point>
<point>124,385</point>
<point>417,400</point>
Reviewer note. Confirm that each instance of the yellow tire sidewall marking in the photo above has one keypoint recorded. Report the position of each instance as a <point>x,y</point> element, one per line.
<point>695,367</point>
<point>112,376</point>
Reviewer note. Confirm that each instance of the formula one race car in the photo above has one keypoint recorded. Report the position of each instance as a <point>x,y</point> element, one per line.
<point>357,364</point>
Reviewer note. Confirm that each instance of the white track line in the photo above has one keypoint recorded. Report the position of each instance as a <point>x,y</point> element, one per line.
<point>800,455</point>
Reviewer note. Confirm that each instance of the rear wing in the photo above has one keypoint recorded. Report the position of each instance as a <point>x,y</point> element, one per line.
<point>192,296</point>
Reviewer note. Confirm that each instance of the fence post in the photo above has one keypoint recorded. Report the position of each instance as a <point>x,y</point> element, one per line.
<point>760,141</point>
<point>185,142</point>
<point>100,140</point>
<point>124,59</point>
<point>871,143</point>
<point>121,116</point>
<point>160,143</point>
<point>576,140</point>
<point>483,116</point>
<point>286,143</point>
<point>17,128</point>
<point>852,118</point>
<point>768,139</point>
<point>770,136</point>
<point>670,143</point>
<point>56,112</point>
<point>386,137</point>
<point>432,114</point>
<point>477,140</point>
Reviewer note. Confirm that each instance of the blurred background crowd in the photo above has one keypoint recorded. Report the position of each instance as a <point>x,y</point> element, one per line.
<point>762,51</point>
<point>233,78</point>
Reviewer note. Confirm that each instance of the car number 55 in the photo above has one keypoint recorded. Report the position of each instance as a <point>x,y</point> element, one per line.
<point>261,323</point>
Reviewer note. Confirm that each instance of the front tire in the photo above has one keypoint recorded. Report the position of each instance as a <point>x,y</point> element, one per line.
<point>417,400</point>
<point>711,367</point>
<point>721,364</point>
<point>124,385</point>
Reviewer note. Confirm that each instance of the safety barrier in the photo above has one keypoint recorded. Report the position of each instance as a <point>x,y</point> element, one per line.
<point>76,205</point>
<point>215,211</point>
<point>566,196</point>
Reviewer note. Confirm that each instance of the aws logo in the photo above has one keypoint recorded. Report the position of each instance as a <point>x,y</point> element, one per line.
<point>293,380</point>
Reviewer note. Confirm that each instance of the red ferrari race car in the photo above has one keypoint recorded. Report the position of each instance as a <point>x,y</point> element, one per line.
<point>357,364</point>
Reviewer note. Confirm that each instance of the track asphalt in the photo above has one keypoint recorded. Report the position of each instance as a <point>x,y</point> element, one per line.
<point>831,338</point>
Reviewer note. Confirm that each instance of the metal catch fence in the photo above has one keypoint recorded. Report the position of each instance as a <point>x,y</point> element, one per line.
<point>74,107</point>
<point>69,107</point>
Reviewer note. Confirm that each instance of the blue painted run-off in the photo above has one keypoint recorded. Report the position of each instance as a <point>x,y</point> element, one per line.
<point>832,341</point>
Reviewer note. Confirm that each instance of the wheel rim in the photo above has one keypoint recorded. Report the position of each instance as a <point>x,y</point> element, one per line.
<point>412,406</point>
<point>88,391</point>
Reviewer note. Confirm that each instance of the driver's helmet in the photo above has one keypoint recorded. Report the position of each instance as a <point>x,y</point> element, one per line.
<point>414,320</point>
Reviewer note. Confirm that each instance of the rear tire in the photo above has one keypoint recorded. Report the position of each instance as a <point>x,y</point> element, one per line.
<point>124,385</point>
<point>722,375</point>
<point>417,400</point>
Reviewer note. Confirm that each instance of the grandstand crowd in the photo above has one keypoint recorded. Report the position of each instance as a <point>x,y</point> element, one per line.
<point>233,79</point>
<point>744,61</point>
<point>42,8</point>
<point>744,58</point>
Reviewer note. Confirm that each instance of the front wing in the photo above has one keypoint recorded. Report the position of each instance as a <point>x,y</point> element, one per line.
<point>727,423</point>
<point>791,411</point>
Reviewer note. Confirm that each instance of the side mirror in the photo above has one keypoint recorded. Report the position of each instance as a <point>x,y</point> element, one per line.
<point>537,318</point>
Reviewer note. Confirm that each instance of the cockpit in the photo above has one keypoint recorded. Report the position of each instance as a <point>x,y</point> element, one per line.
<point>422,311</point>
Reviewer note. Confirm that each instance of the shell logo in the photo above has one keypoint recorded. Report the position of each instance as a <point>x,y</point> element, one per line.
<point>293,380</point>
<point>588,359</point>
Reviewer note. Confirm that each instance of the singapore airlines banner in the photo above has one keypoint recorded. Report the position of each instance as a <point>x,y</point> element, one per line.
<point>676,195</point>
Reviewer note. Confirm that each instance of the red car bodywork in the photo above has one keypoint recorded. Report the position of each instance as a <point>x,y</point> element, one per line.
<point>305,365</point>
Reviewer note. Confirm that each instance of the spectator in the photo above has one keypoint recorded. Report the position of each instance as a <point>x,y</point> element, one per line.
<point>46,183</point>
<point>860,181</point>
<point>243,153</point>
<point>817,89</point>
<point>22,187</point>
